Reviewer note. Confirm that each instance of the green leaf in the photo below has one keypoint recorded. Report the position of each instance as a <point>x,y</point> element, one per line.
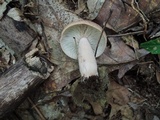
<point>153,46</point>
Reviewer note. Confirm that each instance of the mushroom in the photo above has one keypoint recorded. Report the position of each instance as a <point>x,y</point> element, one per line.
<point>79,41</point>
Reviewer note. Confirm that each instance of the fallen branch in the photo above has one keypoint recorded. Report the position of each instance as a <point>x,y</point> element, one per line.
<point>17,35</point>
<point>20,79</point>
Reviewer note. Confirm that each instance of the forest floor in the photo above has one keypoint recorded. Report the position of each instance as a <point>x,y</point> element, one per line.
<point>129,82</point>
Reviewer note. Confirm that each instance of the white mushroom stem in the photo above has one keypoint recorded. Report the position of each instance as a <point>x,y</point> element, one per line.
<point>86,59</point>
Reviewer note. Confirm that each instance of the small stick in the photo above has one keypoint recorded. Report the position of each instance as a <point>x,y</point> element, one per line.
<point>36,109</point>
<point>102,32</point>
<point>125,34</point>
<point>142,15</point>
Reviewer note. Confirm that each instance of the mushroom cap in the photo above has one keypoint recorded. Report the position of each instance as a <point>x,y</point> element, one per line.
<point>73,32</point>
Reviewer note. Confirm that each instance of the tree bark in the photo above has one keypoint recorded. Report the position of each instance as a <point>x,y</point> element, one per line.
<point>19,80</point>
<point>17,35</point>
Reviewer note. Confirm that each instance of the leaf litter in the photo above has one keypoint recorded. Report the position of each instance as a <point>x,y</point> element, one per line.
<point>111,97</point>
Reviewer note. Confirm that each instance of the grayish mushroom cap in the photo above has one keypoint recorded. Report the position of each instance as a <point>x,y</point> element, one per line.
<point>75,31</point>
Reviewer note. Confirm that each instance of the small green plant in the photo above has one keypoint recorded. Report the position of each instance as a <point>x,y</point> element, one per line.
<point>153,46</point>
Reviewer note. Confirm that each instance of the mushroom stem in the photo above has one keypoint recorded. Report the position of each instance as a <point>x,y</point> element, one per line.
<point>86,59</point>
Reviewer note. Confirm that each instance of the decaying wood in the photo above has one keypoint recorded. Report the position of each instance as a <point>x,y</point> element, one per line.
<point>16,35</point>
<point>19,80</point>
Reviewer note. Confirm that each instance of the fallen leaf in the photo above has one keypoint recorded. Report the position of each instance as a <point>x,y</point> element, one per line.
<point>117,94</point>
<point>61,77</point>
<point>118,98</point>
<point>123,112</point>
<point>124,68</point>
<point>153,46</point>
<point>119,53</point>
<point>123,15</point>
<point>97,108</point>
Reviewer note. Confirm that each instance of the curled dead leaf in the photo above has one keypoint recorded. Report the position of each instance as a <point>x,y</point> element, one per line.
<point>118,98</point>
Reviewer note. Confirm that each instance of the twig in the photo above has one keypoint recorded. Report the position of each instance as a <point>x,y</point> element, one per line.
<point>44,40</point>
<point>140,12</point>
<point>102,32</point>
<point>148,62</point>
<point>36,109</point>
<point>125,34</point>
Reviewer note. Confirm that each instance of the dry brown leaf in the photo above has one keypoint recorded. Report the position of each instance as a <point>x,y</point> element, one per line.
<point>123,15</point>
<point>119,53</point>
<point>118,98</point>
<point>97,108</point>
<point>61,77</point>
<point>117,94</point>
<point>124,68</point>
<point>126,112</point>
